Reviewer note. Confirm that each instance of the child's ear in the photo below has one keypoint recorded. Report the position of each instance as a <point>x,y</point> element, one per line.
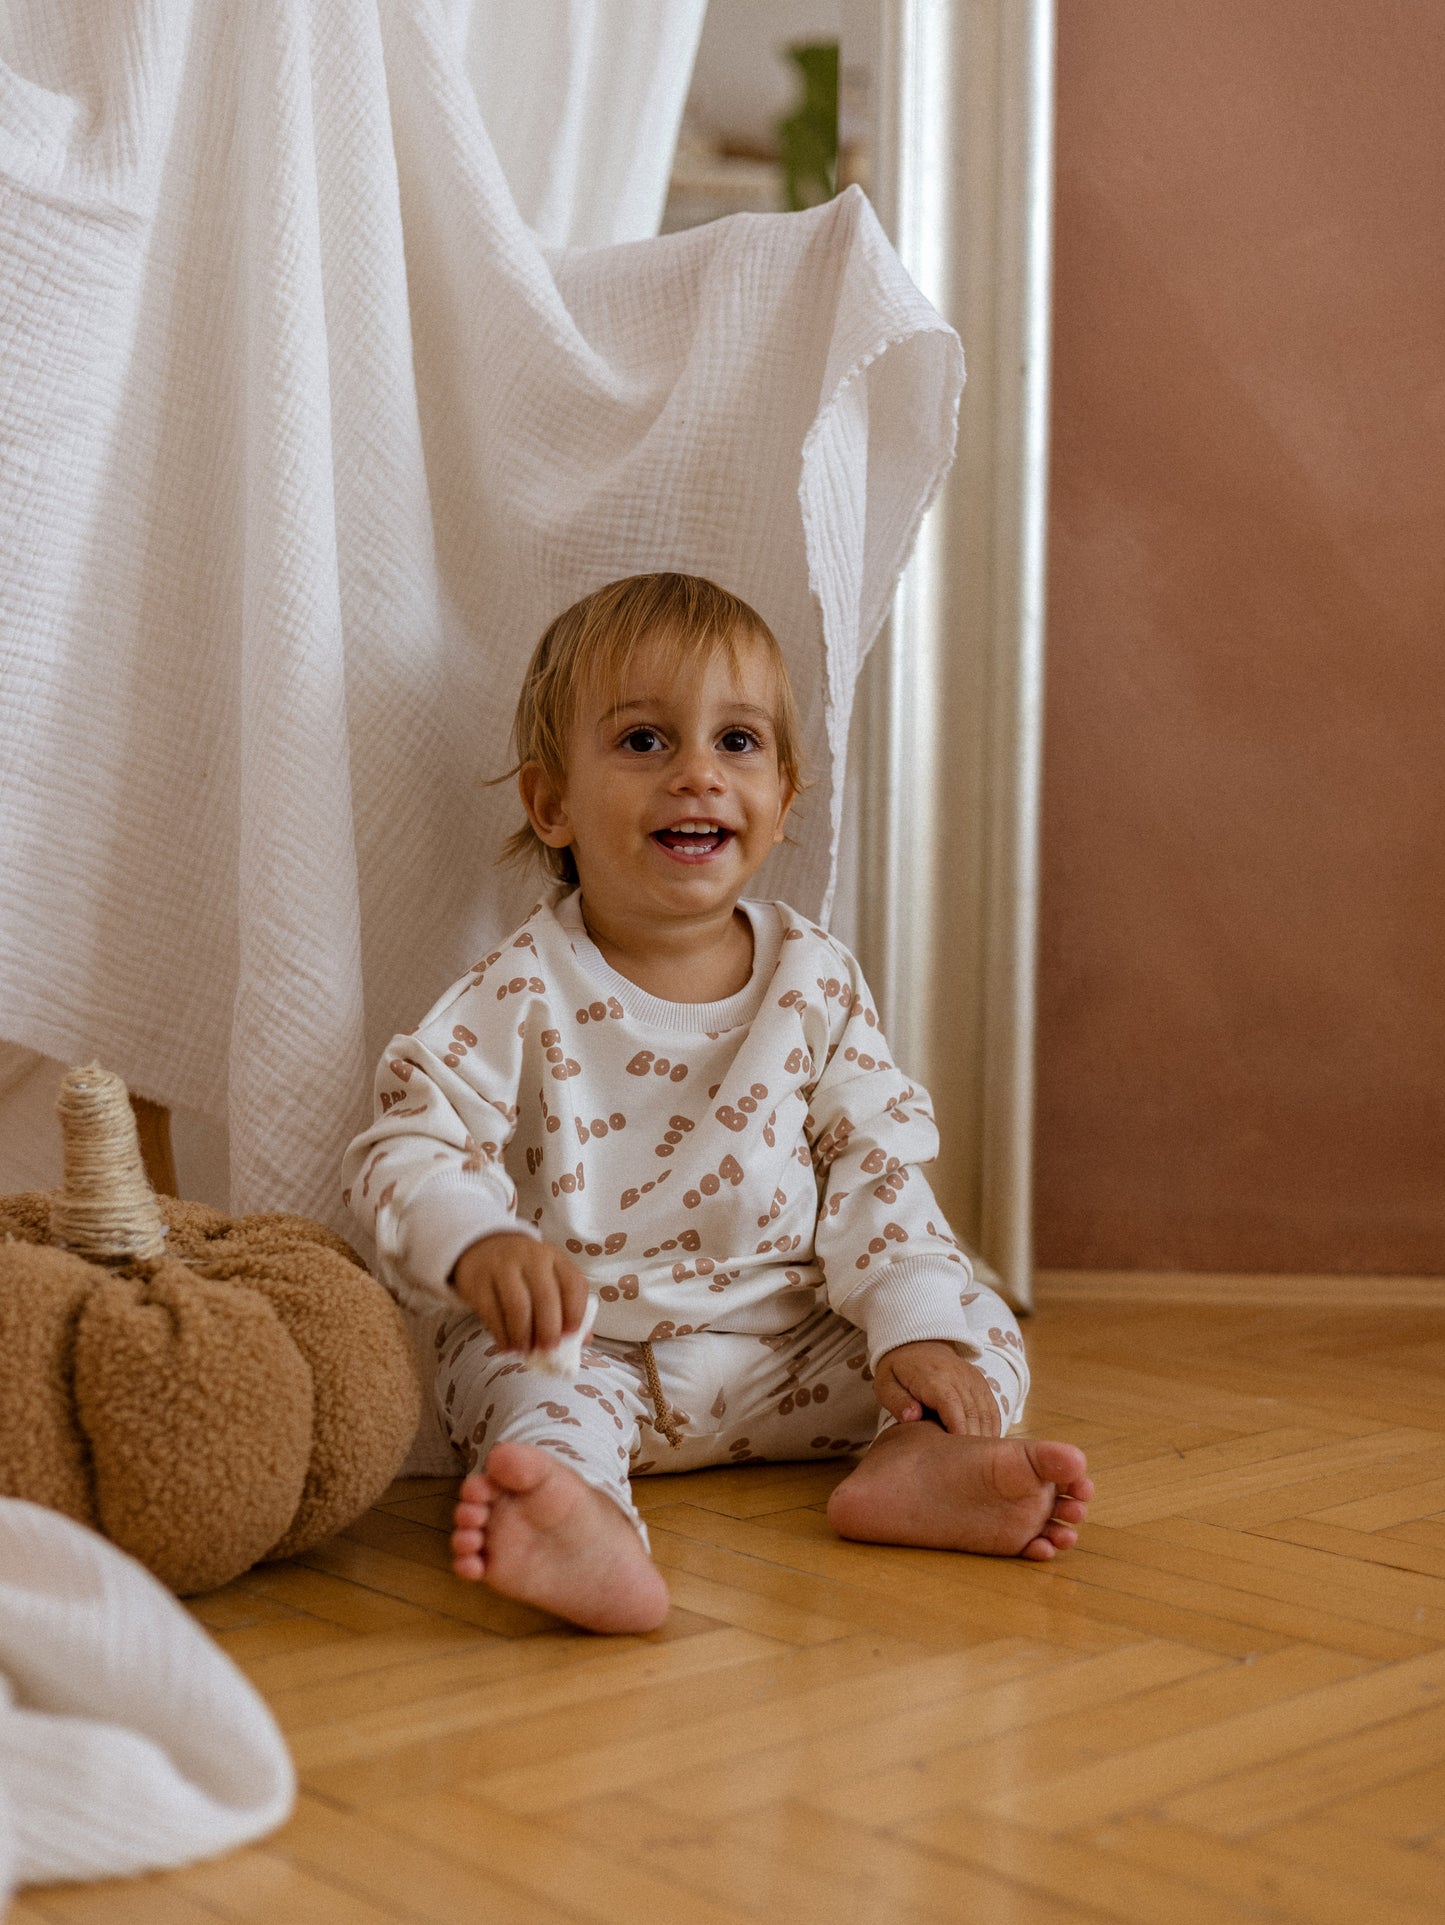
<point>546,805</point>
<point>790,796</point>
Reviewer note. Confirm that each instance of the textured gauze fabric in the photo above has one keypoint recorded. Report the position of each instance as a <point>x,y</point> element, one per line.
<point>128,1740</point>
<point>304,438</point>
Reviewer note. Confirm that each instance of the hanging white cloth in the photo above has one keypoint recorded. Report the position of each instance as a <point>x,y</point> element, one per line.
<point>304,437</point>
<point>582,100</point>
<point>128,1740</point>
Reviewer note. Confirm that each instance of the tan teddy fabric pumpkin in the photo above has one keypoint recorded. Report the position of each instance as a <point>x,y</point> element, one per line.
<point>207,1391</point>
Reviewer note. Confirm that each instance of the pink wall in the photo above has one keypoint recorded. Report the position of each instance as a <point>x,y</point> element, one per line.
<point>1242,1041</point>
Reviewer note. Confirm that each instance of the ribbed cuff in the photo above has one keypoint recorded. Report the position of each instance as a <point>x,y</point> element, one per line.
<point>915,1300</point>
<point>446,1215</point>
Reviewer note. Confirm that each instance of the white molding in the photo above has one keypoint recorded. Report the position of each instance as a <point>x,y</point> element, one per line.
<point>950,728</point>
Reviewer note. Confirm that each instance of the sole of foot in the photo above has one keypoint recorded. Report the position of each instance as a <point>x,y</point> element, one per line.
<point>1005,1497</point>
<point>528,1528</point>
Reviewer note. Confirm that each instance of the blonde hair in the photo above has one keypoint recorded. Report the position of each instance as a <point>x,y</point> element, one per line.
<point>587,653</point>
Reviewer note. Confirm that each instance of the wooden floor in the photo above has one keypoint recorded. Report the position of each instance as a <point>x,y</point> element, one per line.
<point>1228,1704</point>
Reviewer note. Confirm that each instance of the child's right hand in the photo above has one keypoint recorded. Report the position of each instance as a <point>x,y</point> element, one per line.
<point>527,1293</point>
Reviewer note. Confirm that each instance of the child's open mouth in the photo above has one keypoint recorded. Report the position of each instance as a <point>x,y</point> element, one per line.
<point>692,841</point>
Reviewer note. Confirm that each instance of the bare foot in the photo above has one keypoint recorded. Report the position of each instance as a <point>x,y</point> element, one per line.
<point>529,1527</point>
<point>918,1485</point>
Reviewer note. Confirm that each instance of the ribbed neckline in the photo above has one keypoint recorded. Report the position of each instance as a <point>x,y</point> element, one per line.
<point>685,1018</point>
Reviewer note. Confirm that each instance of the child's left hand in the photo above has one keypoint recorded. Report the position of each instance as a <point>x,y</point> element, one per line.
<point>933,1375</point>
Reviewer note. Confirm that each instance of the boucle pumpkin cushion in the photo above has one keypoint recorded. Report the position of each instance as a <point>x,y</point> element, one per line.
<point>241,1395</point>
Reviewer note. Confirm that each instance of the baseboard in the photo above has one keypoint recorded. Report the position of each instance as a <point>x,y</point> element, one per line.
<point>1244,1289</point>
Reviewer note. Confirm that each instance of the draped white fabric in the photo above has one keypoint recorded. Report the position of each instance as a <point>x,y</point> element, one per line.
<point>304,436</point>
<point>128,1740</point>
<point>582,100</point>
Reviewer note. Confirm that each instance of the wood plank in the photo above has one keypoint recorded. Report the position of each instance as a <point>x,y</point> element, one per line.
<point>1017,1773</point>
<point>860,1609</point>
<point>1113,1885</point>
<point>1248,1593</point>
<point>718,1487</point>
<point>1144,1446</point>
<point>289,1640</point>
<point>1232,1708</point>
<point>1382,1593</point>
<point>1428,1531</point>
<point>1279,1886</point>
<point>899,1733</point>
<point>1171,1469</point>
<point>1158,1389</point>
<point>546,1862</point>
<point>434,1887</point>
<point>750,1611</point>
<point>153,1900</point>
<point>810,1487</point>
<point>1300,1468</point>
<point>1038,1600</point>
<point>337,1600</point>
<point>1379,1513</point>
<point>1409,1810</point>
<point>576,1755</point>
<point>425,1677</point>
<point>402,1490</point>
<point>435,1590</point>
<point>810,1870</point>
<point>1269,1506</point>
<point>1391,1871</point>
<point>351,1653</point>
<point>462,1724</point>
<point>433,1509</point>
<point>1295,1786</point>
<point>233,1607</point>
<point>1063,1699</point>
<point>259,1885</point>
<point>1176,1766</point>
<point>1362,1547</point>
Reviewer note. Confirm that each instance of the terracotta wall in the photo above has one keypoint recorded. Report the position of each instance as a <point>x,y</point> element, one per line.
<point>1242,1041</point>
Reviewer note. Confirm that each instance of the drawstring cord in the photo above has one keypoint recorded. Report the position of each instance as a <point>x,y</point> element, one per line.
<point>666,1418</point>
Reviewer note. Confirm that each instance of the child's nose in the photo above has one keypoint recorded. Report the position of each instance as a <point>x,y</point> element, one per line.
<point>699,772</point>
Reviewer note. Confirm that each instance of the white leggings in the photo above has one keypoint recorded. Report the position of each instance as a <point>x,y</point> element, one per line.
<point>723,1397</point>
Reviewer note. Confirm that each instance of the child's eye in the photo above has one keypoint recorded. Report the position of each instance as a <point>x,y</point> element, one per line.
<point>737,741</point>
<point>641,741</point>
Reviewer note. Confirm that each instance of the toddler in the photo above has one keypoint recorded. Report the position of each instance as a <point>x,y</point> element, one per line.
<point>674,1107</point>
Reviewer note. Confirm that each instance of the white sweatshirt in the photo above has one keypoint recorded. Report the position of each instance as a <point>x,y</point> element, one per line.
<point>716,1166</point>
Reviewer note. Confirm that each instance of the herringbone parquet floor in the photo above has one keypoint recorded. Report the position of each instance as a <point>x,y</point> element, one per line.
<point>1228,1704</point>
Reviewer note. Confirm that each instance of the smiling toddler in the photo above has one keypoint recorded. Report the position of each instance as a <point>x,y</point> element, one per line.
<point>671,1107</point>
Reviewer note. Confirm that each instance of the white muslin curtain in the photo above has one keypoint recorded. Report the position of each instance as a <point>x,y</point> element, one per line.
<point>305,435</point>
<point>128,1740</point>
<point>582,100</point>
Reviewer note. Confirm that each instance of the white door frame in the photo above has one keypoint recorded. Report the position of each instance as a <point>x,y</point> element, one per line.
<point>950,717</point>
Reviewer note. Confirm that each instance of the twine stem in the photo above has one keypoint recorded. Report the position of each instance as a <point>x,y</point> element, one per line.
<point>105,1209</point>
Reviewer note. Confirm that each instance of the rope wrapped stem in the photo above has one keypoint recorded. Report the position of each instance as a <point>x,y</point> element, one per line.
<point>105,1208</point>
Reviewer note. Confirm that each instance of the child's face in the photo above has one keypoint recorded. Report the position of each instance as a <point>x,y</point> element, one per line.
<point>673,797</point>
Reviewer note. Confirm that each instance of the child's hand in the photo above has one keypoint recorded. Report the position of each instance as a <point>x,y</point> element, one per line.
<point>933,1375</point>
<point>527,1293</point>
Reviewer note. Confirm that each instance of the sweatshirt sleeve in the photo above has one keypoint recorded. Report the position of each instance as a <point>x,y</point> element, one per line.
<point>891,1263</point>
<point>427,1178</point>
